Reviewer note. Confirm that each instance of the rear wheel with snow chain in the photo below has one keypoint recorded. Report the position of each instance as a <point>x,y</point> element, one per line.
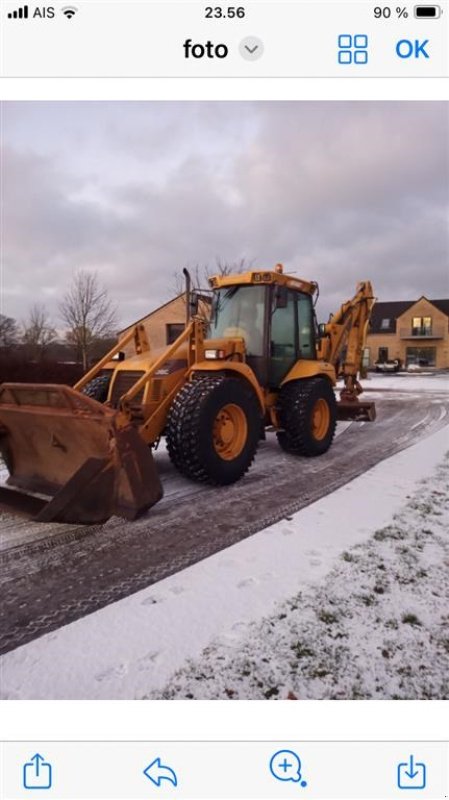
<point>308,416</point>
<point>98,388</point>
<point>213,429</point>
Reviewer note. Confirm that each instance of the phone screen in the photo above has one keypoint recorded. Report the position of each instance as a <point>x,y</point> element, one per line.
<point>224,396</point>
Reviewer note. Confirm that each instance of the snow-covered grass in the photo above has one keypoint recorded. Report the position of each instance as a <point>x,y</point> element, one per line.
<point>377,627</point>
<point>408,381</point>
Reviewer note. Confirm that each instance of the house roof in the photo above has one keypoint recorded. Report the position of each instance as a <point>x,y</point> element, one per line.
<point>204,297</point>
<point>391,310</point>
<point>442,305</point>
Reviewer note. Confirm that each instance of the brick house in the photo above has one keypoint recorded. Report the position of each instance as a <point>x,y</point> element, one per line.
<point>415,331</point>
<point>164,324</point>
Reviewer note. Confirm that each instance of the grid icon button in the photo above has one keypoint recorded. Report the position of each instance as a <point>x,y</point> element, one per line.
<point>353,49</point>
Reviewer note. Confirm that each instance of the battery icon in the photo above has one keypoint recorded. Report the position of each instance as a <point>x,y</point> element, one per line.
<point>427,12</point>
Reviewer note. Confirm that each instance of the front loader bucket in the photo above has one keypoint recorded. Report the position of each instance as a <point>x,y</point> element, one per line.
<point>356,410</point>
<point>62,444</point>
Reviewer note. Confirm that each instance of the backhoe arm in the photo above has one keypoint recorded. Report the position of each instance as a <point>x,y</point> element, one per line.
<point>343,339</point>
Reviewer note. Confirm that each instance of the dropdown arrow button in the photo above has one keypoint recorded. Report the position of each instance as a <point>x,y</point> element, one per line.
<point>251,48</point>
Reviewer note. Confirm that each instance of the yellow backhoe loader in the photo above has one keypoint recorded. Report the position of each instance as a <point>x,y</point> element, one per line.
<point>84,453</point>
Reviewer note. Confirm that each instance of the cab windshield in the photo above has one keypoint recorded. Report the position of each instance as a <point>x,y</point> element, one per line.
<point>239,311</point>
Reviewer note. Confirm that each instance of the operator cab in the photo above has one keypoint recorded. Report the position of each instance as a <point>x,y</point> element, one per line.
<point>273,315</point>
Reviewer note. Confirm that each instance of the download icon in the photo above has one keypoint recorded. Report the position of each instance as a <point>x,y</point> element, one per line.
<point>411,774</point>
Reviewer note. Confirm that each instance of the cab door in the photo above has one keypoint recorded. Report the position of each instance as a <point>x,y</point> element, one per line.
<point>283,344</point>
<point>292,333</point>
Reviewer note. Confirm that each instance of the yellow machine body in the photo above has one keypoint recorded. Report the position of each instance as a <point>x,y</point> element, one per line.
<point>74,459</point>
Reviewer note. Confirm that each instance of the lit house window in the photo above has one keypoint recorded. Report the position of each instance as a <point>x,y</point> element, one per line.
<point>385,324</point>
<point>422,326</point>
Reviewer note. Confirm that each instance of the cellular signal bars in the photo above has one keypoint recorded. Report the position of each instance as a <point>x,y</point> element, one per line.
<point>21,13</point>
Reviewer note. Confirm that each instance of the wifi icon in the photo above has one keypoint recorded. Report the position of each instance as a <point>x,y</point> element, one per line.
<point>69,11</point>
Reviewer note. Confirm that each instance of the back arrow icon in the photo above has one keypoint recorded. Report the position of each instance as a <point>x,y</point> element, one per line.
<point>158,772</point>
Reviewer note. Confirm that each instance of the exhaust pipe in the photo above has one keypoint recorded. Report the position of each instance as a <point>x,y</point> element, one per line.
<point>191,297</point>
<point>188,295</point>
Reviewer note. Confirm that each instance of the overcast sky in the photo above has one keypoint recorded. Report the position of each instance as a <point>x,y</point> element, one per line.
<point>336,191</point>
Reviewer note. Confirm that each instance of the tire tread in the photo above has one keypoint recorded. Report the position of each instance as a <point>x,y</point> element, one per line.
<point>294,401</point>
<point>184,427</point>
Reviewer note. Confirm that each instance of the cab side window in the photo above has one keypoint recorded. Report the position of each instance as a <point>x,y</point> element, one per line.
<point>283,347</point>
<point>306,332</point>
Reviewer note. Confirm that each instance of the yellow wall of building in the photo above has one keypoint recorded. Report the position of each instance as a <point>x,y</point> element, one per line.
<point>156,323</point>
<point>173,312</point>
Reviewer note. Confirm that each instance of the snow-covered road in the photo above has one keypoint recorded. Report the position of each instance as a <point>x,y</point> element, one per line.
<point>132,648</point>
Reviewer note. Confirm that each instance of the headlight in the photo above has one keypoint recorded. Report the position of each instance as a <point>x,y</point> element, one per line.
<point>213,354</point>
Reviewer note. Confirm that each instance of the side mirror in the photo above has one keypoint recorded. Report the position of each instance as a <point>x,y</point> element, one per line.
<point>322,330</point>
<point>280,297</point>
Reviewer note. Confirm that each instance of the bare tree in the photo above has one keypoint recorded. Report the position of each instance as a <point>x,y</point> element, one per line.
<point>202,272</point>
<point>9,332</point>
<point>38,332</point>
<point>232,267</point>
<point>88,312</point>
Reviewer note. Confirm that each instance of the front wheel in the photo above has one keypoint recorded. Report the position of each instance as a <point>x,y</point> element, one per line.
<point>213,429</point>
<point>98,388</point>
<point>308,416</point>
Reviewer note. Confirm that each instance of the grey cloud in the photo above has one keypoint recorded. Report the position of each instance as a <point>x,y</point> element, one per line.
<point>338,191</point>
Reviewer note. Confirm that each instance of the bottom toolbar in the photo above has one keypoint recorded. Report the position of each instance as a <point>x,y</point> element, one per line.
<point>224,770</point>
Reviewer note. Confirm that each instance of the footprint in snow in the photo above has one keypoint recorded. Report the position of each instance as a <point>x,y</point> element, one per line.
<point>149,601</point>
<point>177,590</point>
<point>112,672</point>
<point>238,626</point>
<point>145,661</point>
<point>247,582</point>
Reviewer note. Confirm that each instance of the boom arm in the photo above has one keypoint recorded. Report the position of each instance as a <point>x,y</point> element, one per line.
<point>344,336</point>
